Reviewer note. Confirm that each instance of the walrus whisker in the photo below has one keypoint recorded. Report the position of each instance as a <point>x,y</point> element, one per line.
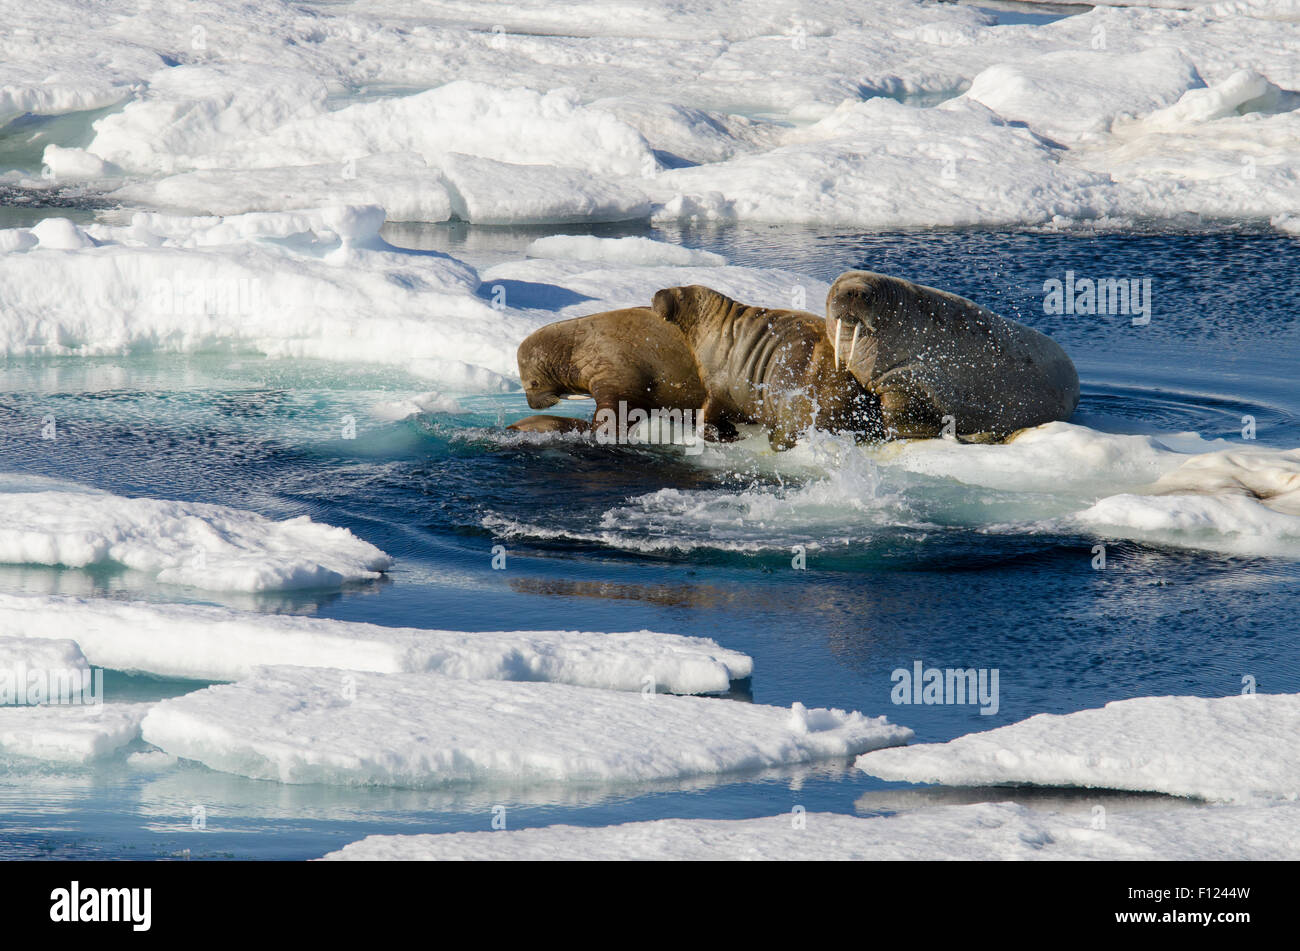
<point>853,345</point>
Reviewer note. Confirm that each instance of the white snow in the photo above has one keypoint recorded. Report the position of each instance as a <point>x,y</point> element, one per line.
<point>68,733</point>
<point>75,164</point>
<point>490,155</point>
<point>981,832</point>
<point>186,543</point>
<point>237,125</point>
<point>215,643</point>
<point>881,164</point>
<point>300,725</point>
<point>403,184</point>
<point>1100,89</point>
<point>1176,489</point>
<point>1065,456</point>
<point>42,669</point>
<point>1235,748</point>
<point>489,192</point>
<point>524,112</point>
<point>60,234</point>
<point>1233,524</point>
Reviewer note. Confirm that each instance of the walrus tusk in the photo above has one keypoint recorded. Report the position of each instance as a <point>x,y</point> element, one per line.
<point>853,345</point>
<point>837,343</point>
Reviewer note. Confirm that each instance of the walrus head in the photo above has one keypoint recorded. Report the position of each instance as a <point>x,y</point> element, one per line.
<point>545,366</point>
<point>857,304</point>
<point>687,306</point>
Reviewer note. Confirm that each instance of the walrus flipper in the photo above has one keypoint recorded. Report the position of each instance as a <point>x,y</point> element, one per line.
<point>549,424</point>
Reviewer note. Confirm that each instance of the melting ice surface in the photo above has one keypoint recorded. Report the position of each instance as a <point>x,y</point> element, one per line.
<point>359,377</point>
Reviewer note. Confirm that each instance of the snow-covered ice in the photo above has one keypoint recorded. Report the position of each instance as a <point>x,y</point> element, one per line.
<point>983,832</point>
<point>769,111</point>
<point>1176,489</point>
<point>69,733</point>
<point>1236,748</point>
<point>185,543</point>
<point>215,643</point>
<point>319,283</point>
<point>301,725</point>
<point>41,669</point>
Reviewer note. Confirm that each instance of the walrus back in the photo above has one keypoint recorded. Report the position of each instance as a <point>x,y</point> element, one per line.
<point>628,355</point>
<point>741,350</point>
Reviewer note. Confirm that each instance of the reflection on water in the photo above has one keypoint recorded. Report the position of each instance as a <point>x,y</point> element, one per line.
<point>1043,798</point>
<point>85,813</point>
<point>702,597</point>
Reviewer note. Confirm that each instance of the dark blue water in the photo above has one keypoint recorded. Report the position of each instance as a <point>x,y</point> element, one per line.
<point>931,586</point>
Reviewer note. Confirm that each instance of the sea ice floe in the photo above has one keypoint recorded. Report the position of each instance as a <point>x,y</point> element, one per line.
<point>1176,489</point>
<point>1066,456</point>
<point>491,192</point>
<point>505,124</point>
<point>489,155</point>
<point>321,284</point>
<point>405,186</point>
<point>881,164</point>
<point>186,543</point>
<point>599,112</point>
<point>981,832</point>
<point>314,284</point>
<point>1236,748</point>
<point>214,643</point>
<point>1101,89</point>
<point>69,733</point>
<point>302,725</point>
<point>1233,524</point>
<point>42,669</point>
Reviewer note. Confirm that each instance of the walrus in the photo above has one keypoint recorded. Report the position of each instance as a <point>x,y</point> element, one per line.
<point>628,356</point>
<point>926,354</point>
<point>774,368</point>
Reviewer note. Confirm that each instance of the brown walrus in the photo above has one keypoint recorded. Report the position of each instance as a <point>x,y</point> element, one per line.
<point>775,368</point>
<point>927,354</point>
<point>619,356</point>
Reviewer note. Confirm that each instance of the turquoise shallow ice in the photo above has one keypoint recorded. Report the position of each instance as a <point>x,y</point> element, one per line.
<point>276,437</point>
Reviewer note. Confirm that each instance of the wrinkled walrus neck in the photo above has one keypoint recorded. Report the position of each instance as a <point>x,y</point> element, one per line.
<point>694,309</point>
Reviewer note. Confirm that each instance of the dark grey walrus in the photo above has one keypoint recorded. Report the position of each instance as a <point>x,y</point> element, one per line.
<point>927,354</point>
